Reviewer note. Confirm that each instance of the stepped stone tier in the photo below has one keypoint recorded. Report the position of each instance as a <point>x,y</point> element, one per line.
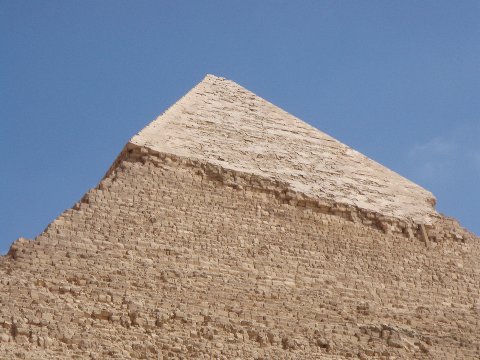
<point>229,229</point>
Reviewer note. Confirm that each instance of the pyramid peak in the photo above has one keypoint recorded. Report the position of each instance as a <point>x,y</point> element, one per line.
<point>202,231</point>
<point>220,122</point>
<point>214,77</point>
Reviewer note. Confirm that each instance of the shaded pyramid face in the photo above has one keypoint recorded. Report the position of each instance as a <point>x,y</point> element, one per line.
<point>229,229</point>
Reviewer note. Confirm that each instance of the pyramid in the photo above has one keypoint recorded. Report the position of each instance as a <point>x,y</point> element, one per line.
<point>230,229</point>
<point>221,123</point>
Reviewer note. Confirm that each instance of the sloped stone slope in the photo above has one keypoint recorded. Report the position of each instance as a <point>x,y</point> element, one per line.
<point>224,124</point>
<point>175,258</point>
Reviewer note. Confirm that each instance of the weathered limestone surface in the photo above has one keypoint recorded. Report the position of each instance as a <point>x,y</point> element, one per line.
<point>220,122</point>
<point>179,256</point>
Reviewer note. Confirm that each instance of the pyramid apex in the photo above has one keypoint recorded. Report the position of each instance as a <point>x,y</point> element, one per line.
<point>224,124</point>
<point>212,76</point>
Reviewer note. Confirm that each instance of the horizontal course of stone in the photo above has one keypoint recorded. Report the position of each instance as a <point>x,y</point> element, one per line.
<point>172,257</point>
<point>221,123</point>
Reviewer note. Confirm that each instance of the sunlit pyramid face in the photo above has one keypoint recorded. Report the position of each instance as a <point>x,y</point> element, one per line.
<point>229,229</point>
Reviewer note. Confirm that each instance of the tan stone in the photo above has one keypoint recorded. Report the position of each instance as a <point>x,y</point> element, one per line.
<point>229,229</point>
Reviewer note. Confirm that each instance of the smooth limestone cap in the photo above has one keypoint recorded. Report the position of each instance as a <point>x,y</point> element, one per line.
<point>220,122</point>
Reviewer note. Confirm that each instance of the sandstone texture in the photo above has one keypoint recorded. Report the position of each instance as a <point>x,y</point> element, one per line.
<point>229,229</point>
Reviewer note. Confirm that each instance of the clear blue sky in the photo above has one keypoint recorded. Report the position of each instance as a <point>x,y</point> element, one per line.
<point>397,80</point>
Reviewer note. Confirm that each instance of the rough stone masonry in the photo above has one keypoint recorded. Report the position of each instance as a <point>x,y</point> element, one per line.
<point>229,229</point>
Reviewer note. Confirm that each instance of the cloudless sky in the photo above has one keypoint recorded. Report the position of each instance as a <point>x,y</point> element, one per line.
<point>397,80</point>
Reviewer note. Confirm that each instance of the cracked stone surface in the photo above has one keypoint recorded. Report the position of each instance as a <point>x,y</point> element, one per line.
<point>228,229</point>
<point>221,122</point>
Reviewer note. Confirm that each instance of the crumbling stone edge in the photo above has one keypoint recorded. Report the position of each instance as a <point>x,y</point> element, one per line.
<point>441,229</point>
